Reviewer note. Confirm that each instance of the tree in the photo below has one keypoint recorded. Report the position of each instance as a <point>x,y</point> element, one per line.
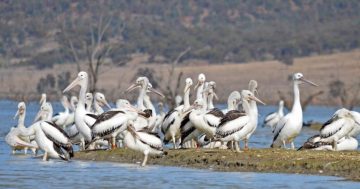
<point>348,95</point>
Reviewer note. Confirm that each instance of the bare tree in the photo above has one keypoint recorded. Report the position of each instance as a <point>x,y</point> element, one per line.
<point>96,49</point>
<point>170,91</point>
<point>304,103</point>
<point>348,96</point>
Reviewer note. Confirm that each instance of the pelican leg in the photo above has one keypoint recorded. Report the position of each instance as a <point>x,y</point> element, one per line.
<point>193,143</point>
<point>334,145</point>
<point>25,150</point>
<point>13,151</point>
<point>82,144</point>
<point>284,143</point>
<point>246,147</point>
<point>174,141</point>
<point>292,145</point>
<point>237,147</point>
<point>146,153</point>
<point>45,157</point>
<point>113,143</point>
<point>212,144</point>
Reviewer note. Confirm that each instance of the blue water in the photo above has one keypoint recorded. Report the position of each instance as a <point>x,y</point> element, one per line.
<point>25,171</point>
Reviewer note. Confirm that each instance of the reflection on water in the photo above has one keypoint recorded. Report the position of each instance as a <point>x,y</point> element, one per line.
<point>20,171</point>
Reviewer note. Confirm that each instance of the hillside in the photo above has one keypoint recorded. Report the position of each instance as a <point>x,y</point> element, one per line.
<point>272,76</point>
<point>41,33</point>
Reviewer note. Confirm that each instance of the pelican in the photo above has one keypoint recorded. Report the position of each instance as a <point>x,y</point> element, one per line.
<point>142,83</point>
<point>289,127</point>
<point>173,120</point>
<point>356,130</point>
<point>344,144</point>
<point>88,102</point>
<point>80,112</point>
<point>236,125</point>
<point>14,138</point>
<point>200,86</point>
<point>43,99</point>
<point>99,101</point>
<point>273,118</point>
<point>144,142</point>
<point>254,112</point>
<point>339,126</point>
<point>62,117</point>
<point>50,137</point>
<point>109,124</point>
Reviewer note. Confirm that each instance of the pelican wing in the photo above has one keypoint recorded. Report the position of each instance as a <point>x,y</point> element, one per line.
<point>233,124</point>
<point>231,115</point>
<point>213,117</point>
<point>169,120</point>
<point>90,119</point>
<point>55,133</point>
<point>331,127</point>
<point>280,125</point>
<point>108,122</point>
<point>149,139</point>
<point>216,112</point>
<point>269,117</point>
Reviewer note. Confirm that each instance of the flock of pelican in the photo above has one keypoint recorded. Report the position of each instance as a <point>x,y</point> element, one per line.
<point>190,125</point>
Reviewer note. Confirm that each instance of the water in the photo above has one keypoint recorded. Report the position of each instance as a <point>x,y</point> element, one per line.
<point>21,171</point>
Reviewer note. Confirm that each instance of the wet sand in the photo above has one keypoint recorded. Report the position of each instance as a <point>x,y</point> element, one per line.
<point>343,164</point>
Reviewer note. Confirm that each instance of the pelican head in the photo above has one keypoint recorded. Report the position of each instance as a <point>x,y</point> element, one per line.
<point>281,103</point>
<point>201,80</point>
<point>197,105</point>
<point>45,110</point>
<point>89,97</point>
<point>248,95</point>
<point>299,78</point>
<point>342,113</point>
<point>253,86</point>
<point>188,84</point>
<point>100,98</point>
<point>21,109</point>
<point>43,98</point>
<point>234,98</point>
<point>81,79</point>
<point>124,104</point>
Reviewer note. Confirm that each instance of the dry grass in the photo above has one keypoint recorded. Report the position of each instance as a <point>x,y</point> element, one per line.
<point>271,76</point>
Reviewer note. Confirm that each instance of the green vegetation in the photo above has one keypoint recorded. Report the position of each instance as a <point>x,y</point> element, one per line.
<point>40,32</point>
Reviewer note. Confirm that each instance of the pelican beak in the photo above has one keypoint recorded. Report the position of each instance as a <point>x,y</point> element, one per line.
<point>132,87</point>
<point>197,85</point>
<point>157,92</point>
<point>257,100</point>
<point>309,82</point>
<point>215,95</point>
<point>38,115</point>
<point>17,114</point>
<point>72,85</point>
<point>106,103</point>
<point>189,109</point>
<point>187,88</point>
<point>43,98</point>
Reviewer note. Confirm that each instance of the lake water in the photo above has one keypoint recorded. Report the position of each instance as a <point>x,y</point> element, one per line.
<point>25,171</point>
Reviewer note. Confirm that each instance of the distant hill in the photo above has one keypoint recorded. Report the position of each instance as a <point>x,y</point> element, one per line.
<point>42,32</point>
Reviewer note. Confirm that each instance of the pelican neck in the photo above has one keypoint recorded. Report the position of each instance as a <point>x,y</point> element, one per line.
<point>297,104</point>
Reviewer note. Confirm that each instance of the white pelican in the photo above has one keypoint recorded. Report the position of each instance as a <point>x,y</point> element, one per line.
<point>356,130</point>
<point>14,138</point>
<point>144,85</point>
<point>344,144</point>
<point>205,120</point>
<point>290,125</point>
<point>144,142</point>
<point>236,125</point>
<point>15,142</point>
<point>200,86</point>
<point>273,118</point>
<point>173,119</point>
<point>339,126</point>
<point>99,101</point>
<point>89,102</point>
<point>80,112</point>
<point>50,137</point>
<point>109,124</point>
<point>233,100</point>
<point>61,117</point>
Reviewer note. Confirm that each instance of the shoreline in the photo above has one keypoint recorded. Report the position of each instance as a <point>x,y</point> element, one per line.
<point>322,163</point>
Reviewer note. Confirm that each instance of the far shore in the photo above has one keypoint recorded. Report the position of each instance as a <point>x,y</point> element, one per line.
<point>342,164</point>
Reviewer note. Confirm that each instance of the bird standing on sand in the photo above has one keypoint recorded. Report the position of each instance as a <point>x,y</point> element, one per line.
<point>289,126</point>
